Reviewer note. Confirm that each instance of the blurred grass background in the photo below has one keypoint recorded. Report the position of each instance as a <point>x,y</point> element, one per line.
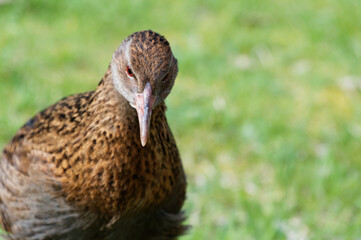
<point>266,107</point>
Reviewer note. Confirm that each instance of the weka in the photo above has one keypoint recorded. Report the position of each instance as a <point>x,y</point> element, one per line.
<point>102,164</point>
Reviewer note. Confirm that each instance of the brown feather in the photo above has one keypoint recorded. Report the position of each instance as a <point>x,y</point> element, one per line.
<point>77,170</point>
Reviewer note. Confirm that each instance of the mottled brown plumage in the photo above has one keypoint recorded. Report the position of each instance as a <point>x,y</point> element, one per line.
<point>102,164</point>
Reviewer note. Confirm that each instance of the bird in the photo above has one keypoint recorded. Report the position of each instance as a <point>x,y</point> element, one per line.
<point>102,164</point>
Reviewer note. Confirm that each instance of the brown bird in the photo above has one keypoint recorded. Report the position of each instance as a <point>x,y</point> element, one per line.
<point>102,164</point>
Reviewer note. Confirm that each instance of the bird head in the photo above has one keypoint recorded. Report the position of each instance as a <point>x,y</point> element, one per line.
<point>144,70</point>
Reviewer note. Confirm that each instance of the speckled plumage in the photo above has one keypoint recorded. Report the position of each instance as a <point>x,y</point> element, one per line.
<point>78,170</point>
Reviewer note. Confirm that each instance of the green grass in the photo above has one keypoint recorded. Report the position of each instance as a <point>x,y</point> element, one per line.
<point>266,108</point>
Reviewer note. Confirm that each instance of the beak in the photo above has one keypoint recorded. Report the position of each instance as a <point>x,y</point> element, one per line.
<point>144,102</point>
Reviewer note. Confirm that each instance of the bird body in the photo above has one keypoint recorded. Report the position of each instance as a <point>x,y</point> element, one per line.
<point>102,164</point>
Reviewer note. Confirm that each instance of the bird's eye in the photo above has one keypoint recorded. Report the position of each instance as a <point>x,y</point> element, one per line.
<point>130,72</point>
<point>165,77</point>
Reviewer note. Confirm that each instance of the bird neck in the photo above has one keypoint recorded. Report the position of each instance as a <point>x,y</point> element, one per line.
<point>116,110</point>
<point>113,103</point>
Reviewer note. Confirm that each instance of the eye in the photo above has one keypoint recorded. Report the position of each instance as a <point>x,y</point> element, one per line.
<point>165,77</point>
<point>130,72</point>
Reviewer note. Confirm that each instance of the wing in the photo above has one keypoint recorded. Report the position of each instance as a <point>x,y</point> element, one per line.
<point>31,201</point>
